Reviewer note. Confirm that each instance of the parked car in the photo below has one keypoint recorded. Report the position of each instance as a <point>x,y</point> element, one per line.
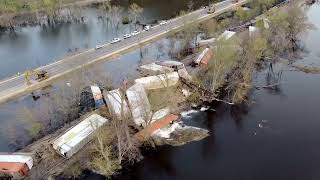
<point>163,23</point>
<point>147,28</point>
<point>126,36</point>
<point>115,40</point>
<point>135,33</point>
<point>99,46</point>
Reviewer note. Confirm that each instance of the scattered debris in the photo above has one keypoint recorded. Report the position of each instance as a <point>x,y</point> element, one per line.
<point>165,132</point>
<point>179,134</point>
<point>194,105</point>
<point>263,124</point>
<point>188,114</point>
<point>253,30</point>
<point>204,108</point>
<point>74,139</point>
<point>186,92</point>
<point>204,57</point>
<point>226,35</point>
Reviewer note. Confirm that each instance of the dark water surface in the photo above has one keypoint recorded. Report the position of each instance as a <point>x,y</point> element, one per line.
<point>276,137</point>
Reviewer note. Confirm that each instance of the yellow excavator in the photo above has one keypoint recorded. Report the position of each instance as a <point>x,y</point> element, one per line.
<point>36,75</point>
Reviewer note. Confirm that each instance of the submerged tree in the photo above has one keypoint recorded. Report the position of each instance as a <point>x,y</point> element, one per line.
<point>116,15</point>
<point>135,11</point>
<point>285,27</point>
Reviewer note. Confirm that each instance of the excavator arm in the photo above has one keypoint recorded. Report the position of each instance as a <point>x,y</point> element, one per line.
<point>37,75</point>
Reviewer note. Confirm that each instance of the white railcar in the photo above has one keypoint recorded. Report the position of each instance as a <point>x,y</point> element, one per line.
<point>77,137</point>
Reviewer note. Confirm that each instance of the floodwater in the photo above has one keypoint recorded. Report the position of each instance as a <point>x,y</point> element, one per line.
<point>276,136</point>
<point>31,47</point>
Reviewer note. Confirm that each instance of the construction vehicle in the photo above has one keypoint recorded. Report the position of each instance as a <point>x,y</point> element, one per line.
<point>211,9</point>
<point>36,75</point>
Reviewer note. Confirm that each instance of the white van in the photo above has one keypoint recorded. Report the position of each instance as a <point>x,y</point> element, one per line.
<point>147,28</point>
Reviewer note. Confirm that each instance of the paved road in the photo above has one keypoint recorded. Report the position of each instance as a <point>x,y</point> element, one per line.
<point>15,86</point>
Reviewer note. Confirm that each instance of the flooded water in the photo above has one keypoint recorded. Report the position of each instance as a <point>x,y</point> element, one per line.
<point>32,47</point>
<point>14,129</point>
<point>275,137</point>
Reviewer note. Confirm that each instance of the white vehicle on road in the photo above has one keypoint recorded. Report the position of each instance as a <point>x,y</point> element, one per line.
<point>126,36</point>
<point>135,33</point>
<point>147,28</point>
<point>163,23</point>
<point>99,46</point>
<point>115,40</point>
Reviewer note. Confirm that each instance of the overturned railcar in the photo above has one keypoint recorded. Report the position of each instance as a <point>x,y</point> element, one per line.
<point>78,136</point>
<point>15,165</point>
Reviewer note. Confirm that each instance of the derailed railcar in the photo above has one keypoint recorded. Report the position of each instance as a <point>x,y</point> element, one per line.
<point>15,165</point>
<point>78,136</point>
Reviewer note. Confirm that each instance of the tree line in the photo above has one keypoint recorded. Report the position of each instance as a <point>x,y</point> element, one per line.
<point>15,13</point>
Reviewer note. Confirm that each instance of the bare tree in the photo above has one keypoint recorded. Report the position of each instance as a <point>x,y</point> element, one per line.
<point>104,160</point>
<point>135,10</point>
<point>190,5</point>
<point>127,146</point>
<point>115,13</point>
